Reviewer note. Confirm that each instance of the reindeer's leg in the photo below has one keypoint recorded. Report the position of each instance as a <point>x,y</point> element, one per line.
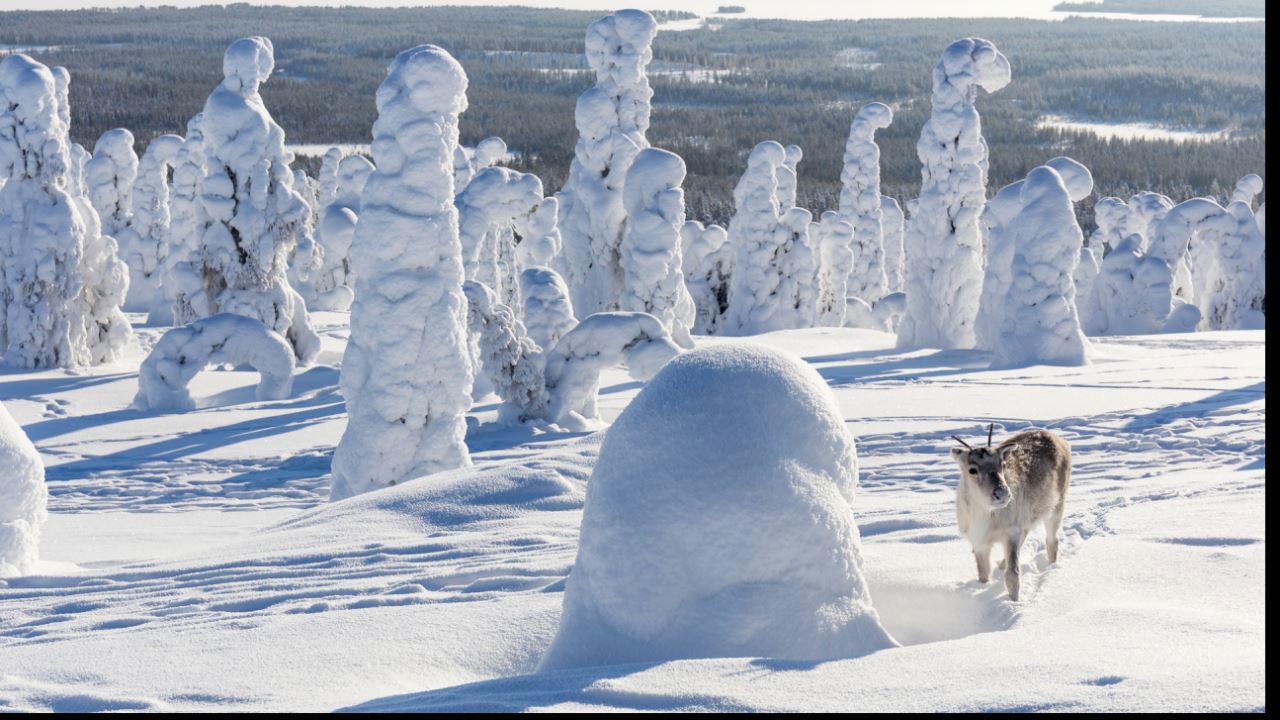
<point>1013,568</point>
<point>983,556</point>
<point>1052,525</point>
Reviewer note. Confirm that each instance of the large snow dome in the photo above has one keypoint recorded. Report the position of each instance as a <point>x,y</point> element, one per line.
<point>718,522</point>
<point>22,498</point>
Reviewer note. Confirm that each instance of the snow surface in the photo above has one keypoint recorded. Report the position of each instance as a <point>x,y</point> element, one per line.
<point>191,562</point>
<point>718,522</point>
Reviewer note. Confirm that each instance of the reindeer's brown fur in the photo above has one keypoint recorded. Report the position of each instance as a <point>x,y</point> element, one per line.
<point>1017,484</point>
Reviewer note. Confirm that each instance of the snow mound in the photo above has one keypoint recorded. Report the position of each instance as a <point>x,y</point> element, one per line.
<point>224,338</point>
<point>712,529</point>
<point>23,498</point>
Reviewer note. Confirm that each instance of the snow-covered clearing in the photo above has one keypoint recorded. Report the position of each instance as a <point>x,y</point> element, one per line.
<point>1129,131</point>
<point>191,561</point>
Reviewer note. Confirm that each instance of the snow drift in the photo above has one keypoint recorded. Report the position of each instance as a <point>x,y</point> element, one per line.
<point>23,498</point>
<point>712,529</point>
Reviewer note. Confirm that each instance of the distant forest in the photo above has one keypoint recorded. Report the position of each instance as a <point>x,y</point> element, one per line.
<point>1204,8</point>
<point>719,89</point>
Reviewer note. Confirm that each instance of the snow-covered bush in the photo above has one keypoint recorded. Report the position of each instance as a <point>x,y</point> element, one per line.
<point>834,238</point>
<point>183,352</point>
<point>407,401</point>
<point>707,257</point>
<point>548,311</point>
<point>511,360</point>
<point>755,289</point>
<point>651,254</point>
<point>490,208</point>
<point>1037,316</point>
<point>144,241</point>
<point>944,239</point>
<point>61,283</point>
<point>893,222</point>
<point>1004,226</point>
<point>182,280</point>
<point>612,118</point>
<point>23,499</point>
<point>716,528</point>
<point>255,215</point>
<point>109,176</point>
<point>860,202</point>
<point>335,281</point>
<point>601,340</point>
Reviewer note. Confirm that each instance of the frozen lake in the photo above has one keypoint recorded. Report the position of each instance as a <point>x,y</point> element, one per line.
<point>1129,131</point>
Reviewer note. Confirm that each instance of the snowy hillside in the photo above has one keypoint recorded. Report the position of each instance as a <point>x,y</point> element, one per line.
<point>191,562</point>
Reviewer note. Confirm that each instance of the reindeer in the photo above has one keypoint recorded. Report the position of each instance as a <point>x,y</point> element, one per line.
<point>1004,491</point>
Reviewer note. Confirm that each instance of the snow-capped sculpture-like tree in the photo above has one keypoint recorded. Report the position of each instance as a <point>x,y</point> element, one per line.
<point>327,182</point>
<point>61,283</point>
<point>944,238</point>
<point>247,193</point>
<point>1231,273</point>
<point>789,178</point>
<point>490,208</point>
<point>406,402</point>
<point>1038,319</point>
<point>798,264</point>
<point>335,281</point>
<point>1247,190</point>
<point>23,496</point>
<point>1001,221</point>
<point>612,119</point>
<point>540,242</point>
<point>182,280</point>
<point>1134,294</point>
<point>468,162</point>
<point>712,529</point>
<point>651,254</point>
<point>834,238</point>
<point>1145,211</point>
<point>755,303</point>
<point>601,340</point>
<point>144,242</point>
<point>1110,215</point>
<point>508,356</point>
<point>893,223</point>
<point>708,264</point>
<point>1178,231</point>
<point>548,311</point>
<point>1085,275</point>
<point>860,202</point>
<point>183,352</point>
<point>109,176</point>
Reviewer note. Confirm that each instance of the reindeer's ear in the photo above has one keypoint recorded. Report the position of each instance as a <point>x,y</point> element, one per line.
<point>1007,452</point>
<point>957,453</point>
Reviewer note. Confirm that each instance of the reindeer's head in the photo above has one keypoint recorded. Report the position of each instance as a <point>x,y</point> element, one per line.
<point>983,469</point>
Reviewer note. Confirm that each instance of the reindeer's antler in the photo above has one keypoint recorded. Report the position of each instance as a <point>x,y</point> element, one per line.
<point>990,429</point>
<point>953,437</point>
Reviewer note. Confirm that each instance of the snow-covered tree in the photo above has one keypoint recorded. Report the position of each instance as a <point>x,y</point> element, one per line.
<point>144,242</point>
<point>335,281</point>
<point>540,241</point>
<point>548,311</point>
<point>944,238</point>
<point>1110,215</point>
<point>1145,211</point>
<point>755,290</point>
<point>707,257</point>
<point>834,237</point>
<point>612,118</point>
<point>490,208</point>
<point>407,401</point>
<point>110,175</point>
<point>247,193</point>
<point>23,496</point>
<point>1247,189</point>
<point>1231,272</point>
<point>601,340</point>
<point>1085,275</point>
<point>1134,294</point>
<point>1002,222</point>
<point>798,263</point>
<point>1038,323</point>
<point>327,182</point>
<point>61,283</point>
<point>507,355</point>
<point>183,279</point>
<point>468,162</point>
<point>1178,231</point>
<point>788,178</point>
<point>651,254</point>
<point>892,222</point>
<point>860,203</point>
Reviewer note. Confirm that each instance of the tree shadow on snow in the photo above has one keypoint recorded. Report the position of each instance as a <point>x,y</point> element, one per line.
<point>902,367</point>
<point>14,387</point>
<point>1198,408</point>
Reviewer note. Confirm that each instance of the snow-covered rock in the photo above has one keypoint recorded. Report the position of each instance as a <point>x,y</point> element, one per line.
<point>601,340</point>
<point>612,118</point>
<point>548,310</point>
<point>144,242</point>
<point>712,529</point>
<point>255,215</point>
<point>943,238</point>
<point>860,202</point>
<point>510,359</point>
<point>23,499</point>
<point>707,257</point>
<point>651,252</point>
<point>183,352</point>
<point>406,402</point>
<point>109,176</point>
